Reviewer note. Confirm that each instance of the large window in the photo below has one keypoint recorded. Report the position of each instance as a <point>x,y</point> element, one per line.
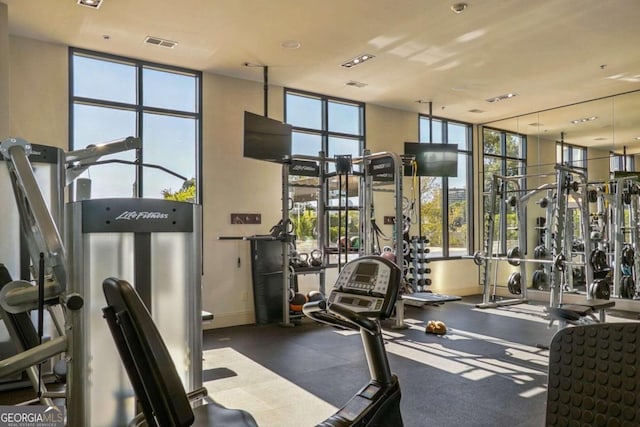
<point>621,163</point>
<point>571,155</point>
<point>504,154</point>
<point>113,98</point>
<point>445,202</point>
<point>336,127</point>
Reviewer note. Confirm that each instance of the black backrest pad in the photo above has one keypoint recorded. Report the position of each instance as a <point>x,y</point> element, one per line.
<point>153,364</point>
<point>594,375</point>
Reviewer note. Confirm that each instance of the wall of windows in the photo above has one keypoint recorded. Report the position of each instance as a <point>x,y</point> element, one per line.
<point>113,98</point>
<point>505,154</point>
<point>336,127</point>
<point>445,203</point>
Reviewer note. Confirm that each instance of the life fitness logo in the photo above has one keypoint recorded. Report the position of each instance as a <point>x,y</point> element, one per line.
<point>135,216</point>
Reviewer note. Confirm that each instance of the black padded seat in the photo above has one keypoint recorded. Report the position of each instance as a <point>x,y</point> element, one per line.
<point>150,368</point>
<point>214,414</point>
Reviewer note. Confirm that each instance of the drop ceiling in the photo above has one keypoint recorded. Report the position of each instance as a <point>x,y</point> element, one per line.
<point>550,53</point>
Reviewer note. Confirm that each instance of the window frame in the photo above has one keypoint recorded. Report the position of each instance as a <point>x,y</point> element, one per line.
<point>503,158</point>
<point>572,150</point>
<point>467,151</point>
<point>139,108</point>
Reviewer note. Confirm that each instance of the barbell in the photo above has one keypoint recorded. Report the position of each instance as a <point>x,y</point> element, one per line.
<point>560,261</point>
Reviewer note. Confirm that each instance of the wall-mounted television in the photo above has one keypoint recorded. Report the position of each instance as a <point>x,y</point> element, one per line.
<point>433,159</point>
<point>265,138</point>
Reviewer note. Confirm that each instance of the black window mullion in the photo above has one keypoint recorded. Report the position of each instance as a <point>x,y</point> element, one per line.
<point>139,118</point>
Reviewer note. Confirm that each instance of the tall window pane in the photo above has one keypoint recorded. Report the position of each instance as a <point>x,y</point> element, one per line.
<point>165,135</point>
<point>304,111</point>
<point>103,79</point>
<point>95,125</point>
<point>504,155</point>
<point>169,90</point>
<point>446,202</point>
<point>344,118</point>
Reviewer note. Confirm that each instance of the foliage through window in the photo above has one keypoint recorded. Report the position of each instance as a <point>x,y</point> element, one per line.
<point>446,202</point>
<point>504,154</point>
<point>113,98</point>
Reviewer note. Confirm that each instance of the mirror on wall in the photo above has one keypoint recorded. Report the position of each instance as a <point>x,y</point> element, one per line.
<point>602,126</point>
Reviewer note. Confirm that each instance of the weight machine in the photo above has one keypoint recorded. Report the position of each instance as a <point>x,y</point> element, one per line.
<point>565,186</point>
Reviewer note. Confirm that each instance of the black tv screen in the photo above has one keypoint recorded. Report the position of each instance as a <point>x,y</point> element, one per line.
<point>265,138</point>
<point>434,159</point>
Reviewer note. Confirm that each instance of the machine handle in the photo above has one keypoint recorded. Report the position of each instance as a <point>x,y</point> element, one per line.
<point>317,310</point>
<point>356,318</point>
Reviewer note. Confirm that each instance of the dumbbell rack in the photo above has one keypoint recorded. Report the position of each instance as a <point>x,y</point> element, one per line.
<point>417,275</point>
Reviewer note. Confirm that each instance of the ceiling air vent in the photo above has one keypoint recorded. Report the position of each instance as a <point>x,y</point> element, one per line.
<point>355,83</point>
<point>475,110</point>
<point>157,41</point>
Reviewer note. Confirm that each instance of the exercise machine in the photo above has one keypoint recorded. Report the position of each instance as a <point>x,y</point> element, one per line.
<point>365,293</point>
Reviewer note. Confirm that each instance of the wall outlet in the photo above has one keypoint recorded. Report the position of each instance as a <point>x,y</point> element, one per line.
<point>389,220</point>
<point>246,218</point>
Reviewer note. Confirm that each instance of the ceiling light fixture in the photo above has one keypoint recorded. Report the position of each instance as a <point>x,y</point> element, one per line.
<point>93,4</point>
<point>459,7</point>
<point>157,41</point>
<point>357,60</point>
<point>501,97</point>
<point>355,83</point>
<point>290,44</point>
<point>584,120</point>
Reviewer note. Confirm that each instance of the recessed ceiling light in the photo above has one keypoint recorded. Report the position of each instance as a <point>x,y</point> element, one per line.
<point>638,138</point>
<point>357,60</point>
<point>157,41</point>
<point>458,7</point>
<point>290,44</point>
<point>94,4</point>
<point>501,97</point>
<point>355,83</point>
<point>584,120</point>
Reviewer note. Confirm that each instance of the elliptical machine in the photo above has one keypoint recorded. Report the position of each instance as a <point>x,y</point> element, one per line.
<point>365,293</point>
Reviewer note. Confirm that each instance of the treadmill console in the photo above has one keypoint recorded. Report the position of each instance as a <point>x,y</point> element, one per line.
<point>368,285</point>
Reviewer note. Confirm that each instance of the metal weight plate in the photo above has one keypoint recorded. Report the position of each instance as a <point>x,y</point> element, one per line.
<point>512,256</point>
<point>628,255</point>
<point>600,289</point>
<point>598,260</point>
<point>627,287</point>
<point>592,196</point>
<point>513,284</point>
<point>478,259</point>
<point>540,252</point>
<point>539,280</point>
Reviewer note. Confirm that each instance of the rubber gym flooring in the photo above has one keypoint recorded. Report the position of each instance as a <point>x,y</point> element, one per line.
<point>490,369</point>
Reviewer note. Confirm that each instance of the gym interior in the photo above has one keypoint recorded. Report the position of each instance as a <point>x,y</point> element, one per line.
<point>292,213</point>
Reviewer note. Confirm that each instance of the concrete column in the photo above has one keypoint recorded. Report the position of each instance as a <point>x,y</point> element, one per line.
<point>4,71</point>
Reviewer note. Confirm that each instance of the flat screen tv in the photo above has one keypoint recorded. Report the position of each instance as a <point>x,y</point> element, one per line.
<point>265,138</point>
<point>434,159</point>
